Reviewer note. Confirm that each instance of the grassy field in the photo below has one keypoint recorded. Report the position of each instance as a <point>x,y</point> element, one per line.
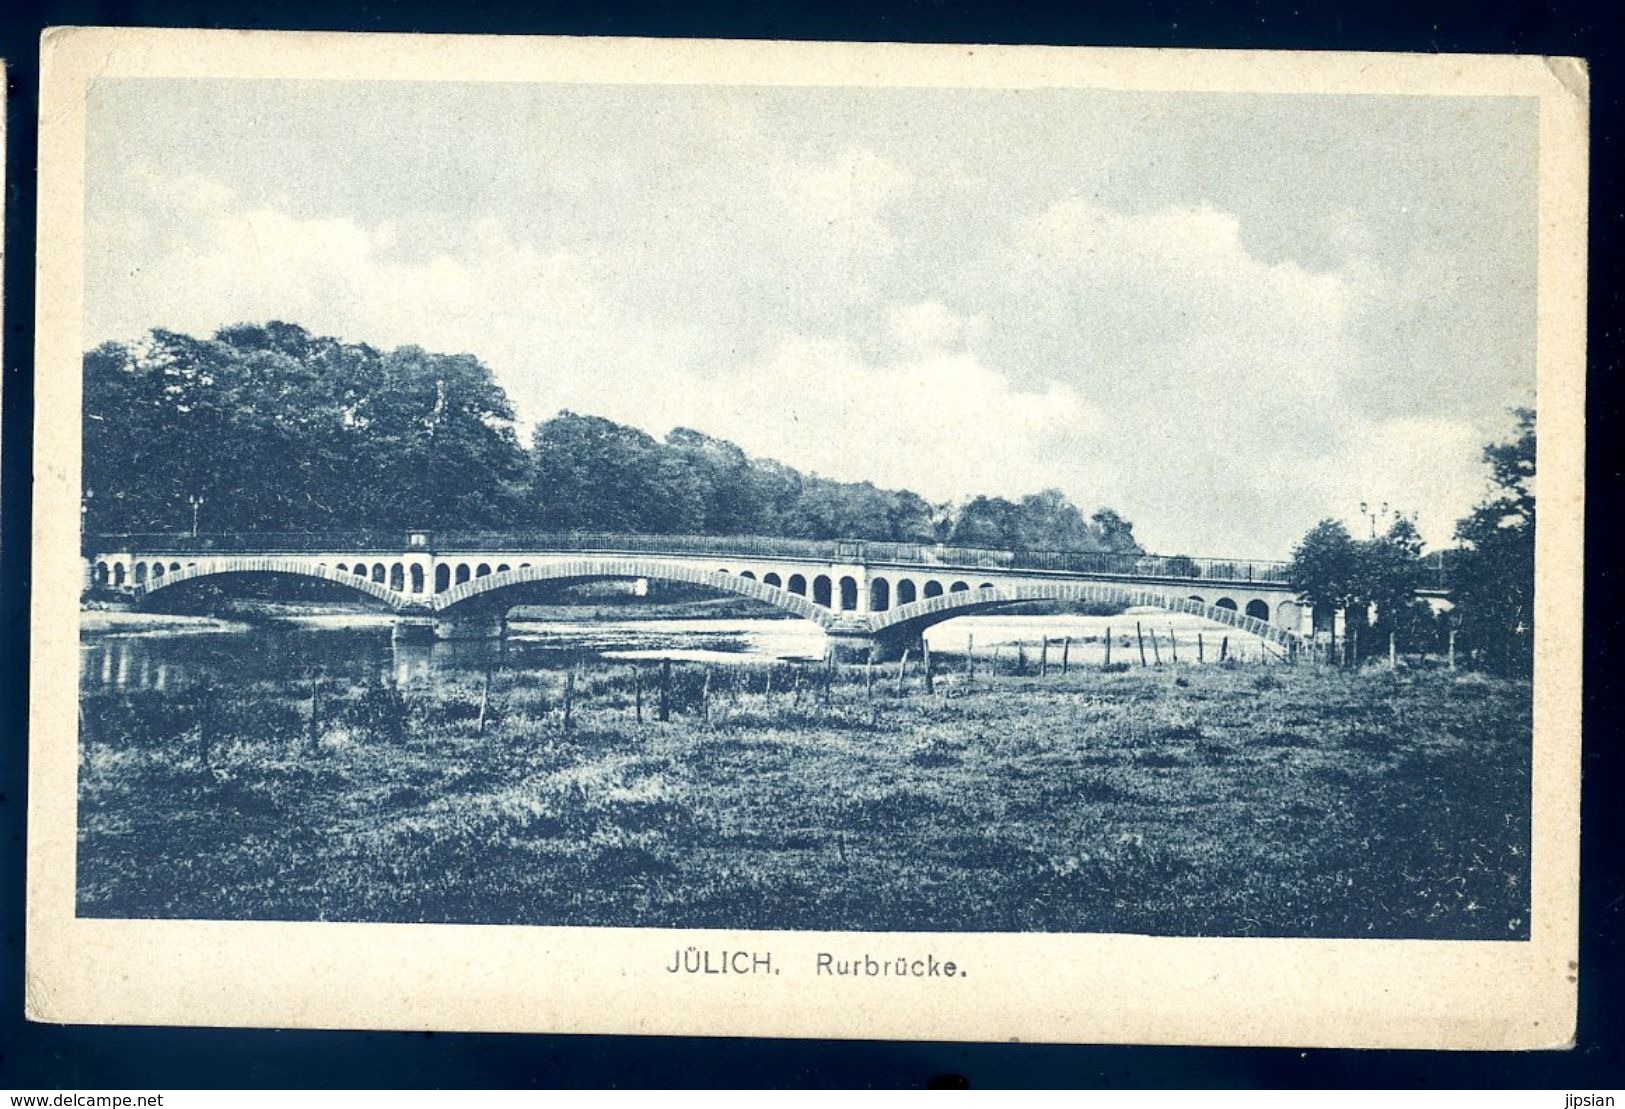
<point>1243,801</point>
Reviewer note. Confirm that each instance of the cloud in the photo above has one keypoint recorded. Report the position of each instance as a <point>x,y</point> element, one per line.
<point>930,420</point>
<point>842,199</point>
<point>1145,360</point>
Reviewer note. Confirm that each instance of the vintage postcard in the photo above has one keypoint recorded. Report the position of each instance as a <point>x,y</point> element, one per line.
<point>807,539</point>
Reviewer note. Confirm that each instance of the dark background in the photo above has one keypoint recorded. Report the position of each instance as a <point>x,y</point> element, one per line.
<point>46,1057</point>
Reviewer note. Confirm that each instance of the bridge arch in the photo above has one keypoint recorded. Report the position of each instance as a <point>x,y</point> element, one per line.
<point>1225,602</point>
<point>906,593</point>
<point>879,595</point>
<point>933,588</point>
<point>849,593</point>
<point>598,569</point>
<point>912,619</point>
<point>772,579</point>
<point>1257,609</point>
<point>291,567</point>
<point>797,585</point>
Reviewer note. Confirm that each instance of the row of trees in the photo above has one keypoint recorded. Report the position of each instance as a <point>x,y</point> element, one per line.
<point>277,429</point>
<point>1491,572</point>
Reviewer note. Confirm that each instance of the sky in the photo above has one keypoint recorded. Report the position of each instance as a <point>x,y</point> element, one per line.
<point>1226,316</point>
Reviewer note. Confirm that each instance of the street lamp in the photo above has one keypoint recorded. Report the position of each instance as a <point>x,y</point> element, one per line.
<point>1365,510</point>
<point>196,502</point>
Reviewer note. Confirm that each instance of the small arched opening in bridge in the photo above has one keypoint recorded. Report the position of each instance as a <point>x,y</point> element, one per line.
<point>442,578</point>
<point>397,578</point>
<point>879,595</point>
<point>1289,614</point>
<point>102,574</point>
<point>905,591</point>
<point>1258,610</point>
<point>773,580</point>
<point>821,588</point>
<point>933,588</point>
<point>959,587</point>
<point>359,569</point>
<point>140,573</point>
<point>417,577</point>
<point>174,567</point>
<point>1197,599</point>
<point>157,569</point>
<point>379,572</point>
<point>747,575</point>
<point>343,567</point>
<point>483,570</point>
<point>118,573</point>
<point>985,585</point>
<point>503,567</point>
<point>1225,602</point>
<point>798,585</point>
<point>849,594</point>
<point>463,572</point>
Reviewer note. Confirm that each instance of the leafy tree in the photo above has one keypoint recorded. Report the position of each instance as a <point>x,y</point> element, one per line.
<point>1326,567</point>
<point>596,475</point>
<point>1493,575</point>
<point>280,430</point>
<point>1116,533</point>
<point>988,522</point>
<point>1390,571</point>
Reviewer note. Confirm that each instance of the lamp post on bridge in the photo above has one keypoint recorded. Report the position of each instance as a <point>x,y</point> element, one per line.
<point>196,502</point>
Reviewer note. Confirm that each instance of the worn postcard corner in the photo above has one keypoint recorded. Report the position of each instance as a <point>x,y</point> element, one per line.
<point>807,539</point>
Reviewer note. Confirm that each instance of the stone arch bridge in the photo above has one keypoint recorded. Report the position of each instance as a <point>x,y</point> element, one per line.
<point>863,594</point>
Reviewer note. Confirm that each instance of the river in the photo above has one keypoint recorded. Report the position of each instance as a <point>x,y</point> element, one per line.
<point>180,654</point>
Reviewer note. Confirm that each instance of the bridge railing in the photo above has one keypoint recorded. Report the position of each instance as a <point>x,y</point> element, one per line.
<point>925,555</point>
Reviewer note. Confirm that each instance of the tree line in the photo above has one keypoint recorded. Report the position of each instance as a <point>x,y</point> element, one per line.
<point>276,429</point>
<point>1491,572</point>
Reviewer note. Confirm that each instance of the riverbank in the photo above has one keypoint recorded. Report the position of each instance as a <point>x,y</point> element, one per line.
<point>1226,800</point>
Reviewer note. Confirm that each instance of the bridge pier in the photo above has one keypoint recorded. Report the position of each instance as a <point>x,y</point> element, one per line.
<point>417,627</point>
<point>858,646</point>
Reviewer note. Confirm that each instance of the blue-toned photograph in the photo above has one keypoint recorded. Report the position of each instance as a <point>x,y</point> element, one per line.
<point>862,509</point>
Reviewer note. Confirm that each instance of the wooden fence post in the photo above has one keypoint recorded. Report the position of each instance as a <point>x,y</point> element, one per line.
<point>1043,658</point>
<point>1108,646</point>
<point>902,668</point>
<point>1393,656</point>
<point>705,695</point>
<point>1224,648</point>
<point>1452,648</point>
<point>869,676</point>
<point>925,654</point>
<point>485,701</point>
<point>1173,644</point>
<point>970,658</point>
<point>315,696</point>
<point>569,696</point>
<point>1066,655</point>
<point>637,691</point>
<point>1201,648</point>
<point>1140,635</point>
<point>665,690</point>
